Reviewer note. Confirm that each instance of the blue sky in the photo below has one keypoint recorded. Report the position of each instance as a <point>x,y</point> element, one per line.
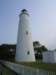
<point>43,20</point>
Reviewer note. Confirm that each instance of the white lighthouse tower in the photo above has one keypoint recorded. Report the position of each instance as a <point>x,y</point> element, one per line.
<point>24,48</point>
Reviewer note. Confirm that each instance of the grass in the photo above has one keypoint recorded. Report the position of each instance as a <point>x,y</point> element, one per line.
<point>38,64</point>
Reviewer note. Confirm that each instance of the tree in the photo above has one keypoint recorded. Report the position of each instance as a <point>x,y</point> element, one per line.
<point>6,53</point>
<point>36,43</point>
<point>38,49</point>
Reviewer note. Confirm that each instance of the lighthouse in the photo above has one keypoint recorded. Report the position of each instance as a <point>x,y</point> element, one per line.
<point>24,47</point>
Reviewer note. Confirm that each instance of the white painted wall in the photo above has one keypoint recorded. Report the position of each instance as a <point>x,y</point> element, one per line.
<point>24,39</point>
<point>49,57</point>
<point>55,57</point>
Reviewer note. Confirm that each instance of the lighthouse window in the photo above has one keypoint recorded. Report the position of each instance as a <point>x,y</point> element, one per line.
<point>28,52</point>
<point>27,32</point>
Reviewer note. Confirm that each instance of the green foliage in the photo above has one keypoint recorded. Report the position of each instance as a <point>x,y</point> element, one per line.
<point>41,49</point>
<point>36,43</point>
<point>5,52</point>
<point>38,48</point>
